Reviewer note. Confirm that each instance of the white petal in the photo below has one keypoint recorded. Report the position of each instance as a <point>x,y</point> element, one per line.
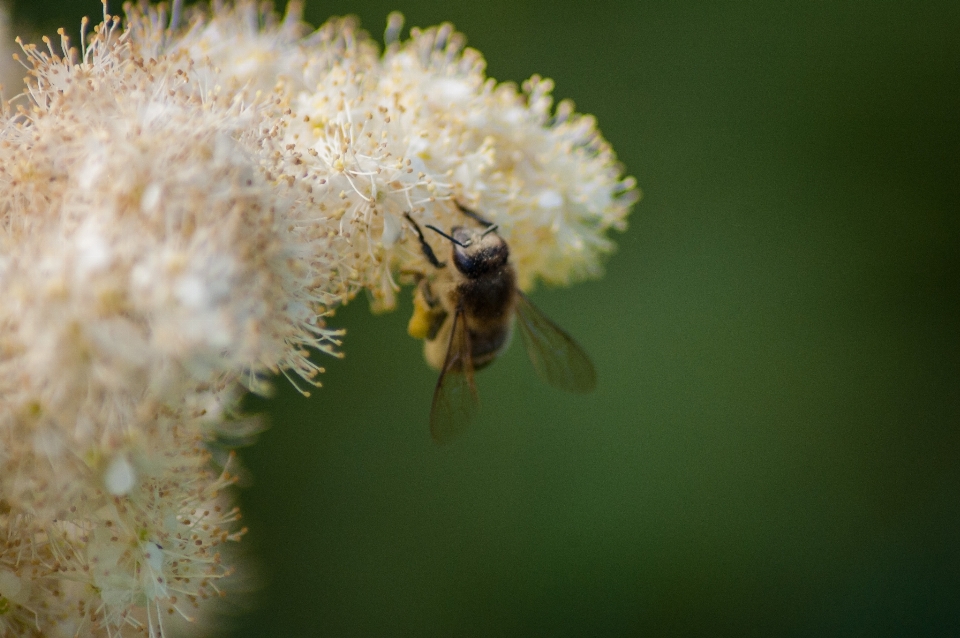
<point>120,476</point>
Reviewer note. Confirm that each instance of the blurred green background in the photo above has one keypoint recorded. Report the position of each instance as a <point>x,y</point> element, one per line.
<point>774,446</point>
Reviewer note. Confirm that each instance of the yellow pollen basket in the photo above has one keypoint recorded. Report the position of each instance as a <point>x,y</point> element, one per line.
<point>422,318</point>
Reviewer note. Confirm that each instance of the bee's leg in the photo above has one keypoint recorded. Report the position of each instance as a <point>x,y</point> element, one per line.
<point>473,215</point>
<point>424,246</point>
<point>423,287</point>
<point>428,313</point>
<point>415,275</point>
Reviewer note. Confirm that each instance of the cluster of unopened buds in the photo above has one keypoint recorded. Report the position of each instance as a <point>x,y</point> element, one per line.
<point>185,198</point>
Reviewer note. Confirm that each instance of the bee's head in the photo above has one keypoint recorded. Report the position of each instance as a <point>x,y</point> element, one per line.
<point>478,252</point>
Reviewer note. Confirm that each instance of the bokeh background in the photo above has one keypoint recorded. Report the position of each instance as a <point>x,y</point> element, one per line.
<point>774,446</point>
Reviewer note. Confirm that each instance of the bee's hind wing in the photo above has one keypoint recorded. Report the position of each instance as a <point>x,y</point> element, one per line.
<point>557,358</point>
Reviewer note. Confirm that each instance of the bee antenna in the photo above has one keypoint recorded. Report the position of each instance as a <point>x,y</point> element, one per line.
<point>491,229</point>
<point>443,234</point>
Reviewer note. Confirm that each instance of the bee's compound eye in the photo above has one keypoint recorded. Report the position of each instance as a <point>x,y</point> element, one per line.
<point>466,260</point>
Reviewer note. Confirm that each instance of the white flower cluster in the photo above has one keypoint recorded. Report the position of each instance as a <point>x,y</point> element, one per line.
<point>181,207</point>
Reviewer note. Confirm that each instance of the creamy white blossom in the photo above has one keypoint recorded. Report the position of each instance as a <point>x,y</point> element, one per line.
<point>181,210</point>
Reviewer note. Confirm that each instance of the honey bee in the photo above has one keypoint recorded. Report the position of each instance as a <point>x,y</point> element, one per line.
<point>466,315</point>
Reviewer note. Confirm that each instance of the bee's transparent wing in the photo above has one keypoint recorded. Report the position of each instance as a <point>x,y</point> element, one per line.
<point>555,355</point>
<point>455,400</point>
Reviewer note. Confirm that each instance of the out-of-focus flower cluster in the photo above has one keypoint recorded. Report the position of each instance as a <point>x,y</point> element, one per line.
<point>183,203</point>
